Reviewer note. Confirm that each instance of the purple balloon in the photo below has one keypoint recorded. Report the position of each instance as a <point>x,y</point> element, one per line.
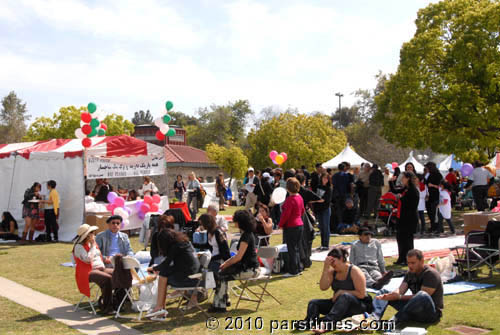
<point>466,169</point>
<point>138,205</point>
<point>128,210</point>
<point>141,215</point>
<point>112,196</point>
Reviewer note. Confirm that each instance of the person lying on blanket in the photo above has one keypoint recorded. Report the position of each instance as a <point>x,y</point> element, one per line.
<point>425,304</point>
<point>366,253</point>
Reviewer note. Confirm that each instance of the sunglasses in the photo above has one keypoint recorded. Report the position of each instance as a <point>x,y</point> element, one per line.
<point>115,223</point>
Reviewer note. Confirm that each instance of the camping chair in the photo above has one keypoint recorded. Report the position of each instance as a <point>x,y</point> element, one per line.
<point>481,248</point>
<point>91,302</point>
<point>260,289</point>
<point>202,284</point>
<point>130,263</point>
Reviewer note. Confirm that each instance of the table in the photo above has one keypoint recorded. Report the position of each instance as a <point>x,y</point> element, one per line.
<point>183,207</point>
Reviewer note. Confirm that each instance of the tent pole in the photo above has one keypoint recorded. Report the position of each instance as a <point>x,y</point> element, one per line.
<point>84,181</point>
<point>12,180</point>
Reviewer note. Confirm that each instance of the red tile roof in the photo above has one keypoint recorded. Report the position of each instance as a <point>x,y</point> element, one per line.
<point>185,154</point>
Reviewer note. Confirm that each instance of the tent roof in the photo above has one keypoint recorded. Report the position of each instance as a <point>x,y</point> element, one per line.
<point>346,155</point>
<point>418,167</point>
<point>109,146</point>
<point>449,162</point>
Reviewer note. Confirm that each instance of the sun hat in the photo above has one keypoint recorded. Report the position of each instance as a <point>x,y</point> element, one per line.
<point>83,231</point>
<point>250,169</point>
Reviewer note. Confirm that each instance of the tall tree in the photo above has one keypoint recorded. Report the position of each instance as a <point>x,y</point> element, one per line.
<point>223,125</point>
<point>306,139</point>
<point>64,123</point>
<point>182,120</point>
<point>345,116</point>
<point>13,116</point>
<point>446,92</point>
<point>231,160</point>
<point>142,117</point>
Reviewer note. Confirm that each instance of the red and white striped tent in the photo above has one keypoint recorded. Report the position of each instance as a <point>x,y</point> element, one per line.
<point>22,164</point>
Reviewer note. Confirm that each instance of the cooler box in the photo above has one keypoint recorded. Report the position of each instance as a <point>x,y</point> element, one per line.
<point>97,219</point>
<point>478,220</point>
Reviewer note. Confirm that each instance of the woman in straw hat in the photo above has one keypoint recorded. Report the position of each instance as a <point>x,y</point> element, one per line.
<point>90,266</point>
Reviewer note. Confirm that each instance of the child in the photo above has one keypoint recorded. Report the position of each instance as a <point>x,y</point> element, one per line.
<point>445,207</point>
<point>424,193</point>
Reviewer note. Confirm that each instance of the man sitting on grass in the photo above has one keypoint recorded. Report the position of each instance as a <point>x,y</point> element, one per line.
<point>112,241</point>
<point>366,253</point>
<point>425,304</point>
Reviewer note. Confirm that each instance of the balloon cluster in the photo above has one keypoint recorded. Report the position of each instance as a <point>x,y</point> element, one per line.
<point>149,204</point>
<point>278,159</point>
<point>90,125</point>
<point>117,207</point>
<point>162,123</point>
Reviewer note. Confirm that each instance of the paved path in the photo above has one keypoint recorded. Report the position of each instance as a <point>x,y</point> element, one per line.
<point>62,311</point>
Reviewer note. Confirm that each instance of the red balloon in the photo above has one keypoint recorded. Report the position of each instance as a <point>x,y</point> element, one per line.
<point>86,117</point>
<point>103,126</point>
<point>156,199</point>
<point>159,135</point>
<point>148,200</point>
<point>86,129</point>
<point>145,208</point>
<point>86,142</point>
<point>154,208</point>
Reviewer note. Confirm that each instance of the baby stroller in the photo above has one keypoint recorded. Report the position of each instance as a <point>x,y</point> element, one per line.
<point>388,213</point>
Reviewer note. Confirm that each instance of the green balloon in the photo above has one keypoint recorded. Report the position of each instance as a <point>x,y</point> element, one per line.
<point>101,132</point>
<point>169,105</point>
<point>94,123</point>
<point>91,107</point>
<point>170,132</point>
<point>166,118</point>
<point>92,133</point>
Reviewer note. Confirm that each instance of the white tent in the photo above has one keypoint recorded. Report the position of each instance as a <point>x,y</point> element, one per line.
<point>347,155</point>
<point>418,167</point>
<point>22,164</point>
<point>447,163</point>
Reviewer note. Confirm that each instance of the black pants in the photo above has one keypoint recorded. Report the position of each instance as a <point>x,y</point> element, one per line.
<point>480,193</point>
<point>344,306</point>
<point>404,238</point>
<point>363,200</point>
<point>51,224</point>
<point>431,206</point>
<point>9,236</point>
<point>293,237</point>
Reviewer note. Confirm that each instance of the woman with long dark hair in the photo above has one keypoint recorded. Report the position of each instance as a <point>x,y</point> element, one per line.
<point>31,213</point>
<point>433,181</point>
<point>8,227</point>
<point>323,210</point>
<point>220,190</point>
<point>408,218</point>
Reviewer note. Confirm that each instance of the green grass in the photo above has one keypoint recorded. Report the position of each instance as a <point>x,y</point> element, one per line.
<point>37,266</point>
<point>17,319</point>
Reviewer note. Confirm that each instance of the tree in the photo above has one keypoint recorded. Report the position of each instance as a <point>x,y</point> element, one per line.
<point>446,92</point>
<point>345,116</point>
<point>64,123</point>
<point>182,120</point>
<point>142,117</point>
<point>13,116</point>
<point>231,159</point>
<point>222,125</point>
<point>306,139</point>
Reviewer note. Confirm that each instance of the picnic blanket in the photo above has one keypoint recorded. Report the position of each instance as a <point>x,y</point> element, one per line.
<point>449,289</point>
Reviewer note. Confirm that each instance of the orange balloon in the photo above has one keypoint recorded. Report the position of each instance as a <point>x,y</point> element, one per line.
<point>279,159</point>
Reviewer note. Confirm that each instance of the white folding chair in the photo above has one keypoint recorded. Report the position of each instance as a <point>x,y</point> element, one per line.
<point>91,302</point>
<point>201,285</point>
<point>261,281</point>
<point>262,238</point>
<point>130,263</point>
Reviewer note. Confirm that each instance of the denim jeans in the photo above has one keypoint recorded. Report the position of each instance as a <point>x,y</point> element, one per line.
<point>421,216</point>
<point>192,199</point>
<point>346,305</point>
<point>420,308</point>
<point>440,224</point>
<point>431,207</point>
<point>324,226</point>
<point>293,238</point>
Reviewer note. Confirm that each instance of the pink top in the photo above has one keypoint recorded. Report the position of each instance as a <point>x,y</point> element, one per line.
<point>292,211</point>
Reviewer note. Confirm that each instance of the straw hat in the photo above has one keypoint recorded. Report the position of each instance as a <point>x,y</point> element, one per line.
<point>83,232</point>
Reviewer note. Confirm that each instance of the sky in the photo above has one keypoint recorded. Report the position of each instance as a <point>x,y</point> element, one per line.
<point>128,55</point>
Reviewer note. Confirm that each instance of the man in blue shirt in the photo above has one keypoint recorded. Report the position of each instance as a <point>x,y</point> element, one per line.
<point>112,241</point>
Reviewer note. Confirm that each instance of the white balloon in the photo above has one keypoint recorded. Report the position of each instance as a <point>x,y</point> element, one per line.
<point>279,195</point>
<point>159,122</point>
<point>79,134</point>
<point>164,128</point>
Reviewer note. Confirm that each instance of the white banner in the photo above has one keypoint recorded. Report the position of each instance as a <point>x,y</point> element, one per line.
<point>127,167</point>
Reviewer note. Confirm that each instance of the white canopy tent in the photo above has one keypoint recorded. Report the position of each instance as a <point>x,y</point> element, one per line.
<point>447,163</point>
<point>346,155</point>
<point>419,168</point>
<point>22,164</point>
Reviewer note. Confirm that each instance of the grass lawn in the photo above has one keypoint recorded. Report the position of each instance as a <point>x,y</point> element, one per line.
<point>37,266</point>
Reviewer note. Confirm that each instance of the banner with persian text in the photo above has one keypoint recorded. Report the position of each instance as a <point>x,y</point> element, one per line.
<point>98,167</point>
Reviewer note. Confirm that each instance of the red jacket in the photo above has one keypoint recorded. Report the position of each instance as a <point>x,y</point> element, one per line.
<point>292,211</point>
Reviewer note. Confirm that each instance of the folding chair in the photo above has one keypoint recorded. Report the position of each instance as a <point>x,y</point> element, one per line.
<point>91,302</point>
<point>130,263</point>
<point>201,284</point>
<point>261,280</point>
<point>481,248</point>
<point>262,238</point>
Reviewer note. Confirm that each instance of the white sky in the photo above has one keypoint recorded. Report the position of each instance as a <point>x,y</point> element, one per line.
<point>127,55</point>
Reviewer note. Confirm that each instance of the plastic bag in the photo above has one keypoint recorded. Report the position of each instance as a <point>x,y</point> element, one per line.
<point>445,266</point>
<point>147,297</point>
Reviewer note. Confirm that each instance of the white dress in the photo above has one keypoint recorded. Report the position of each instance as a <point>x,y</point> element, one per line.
<point>445,204</point>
